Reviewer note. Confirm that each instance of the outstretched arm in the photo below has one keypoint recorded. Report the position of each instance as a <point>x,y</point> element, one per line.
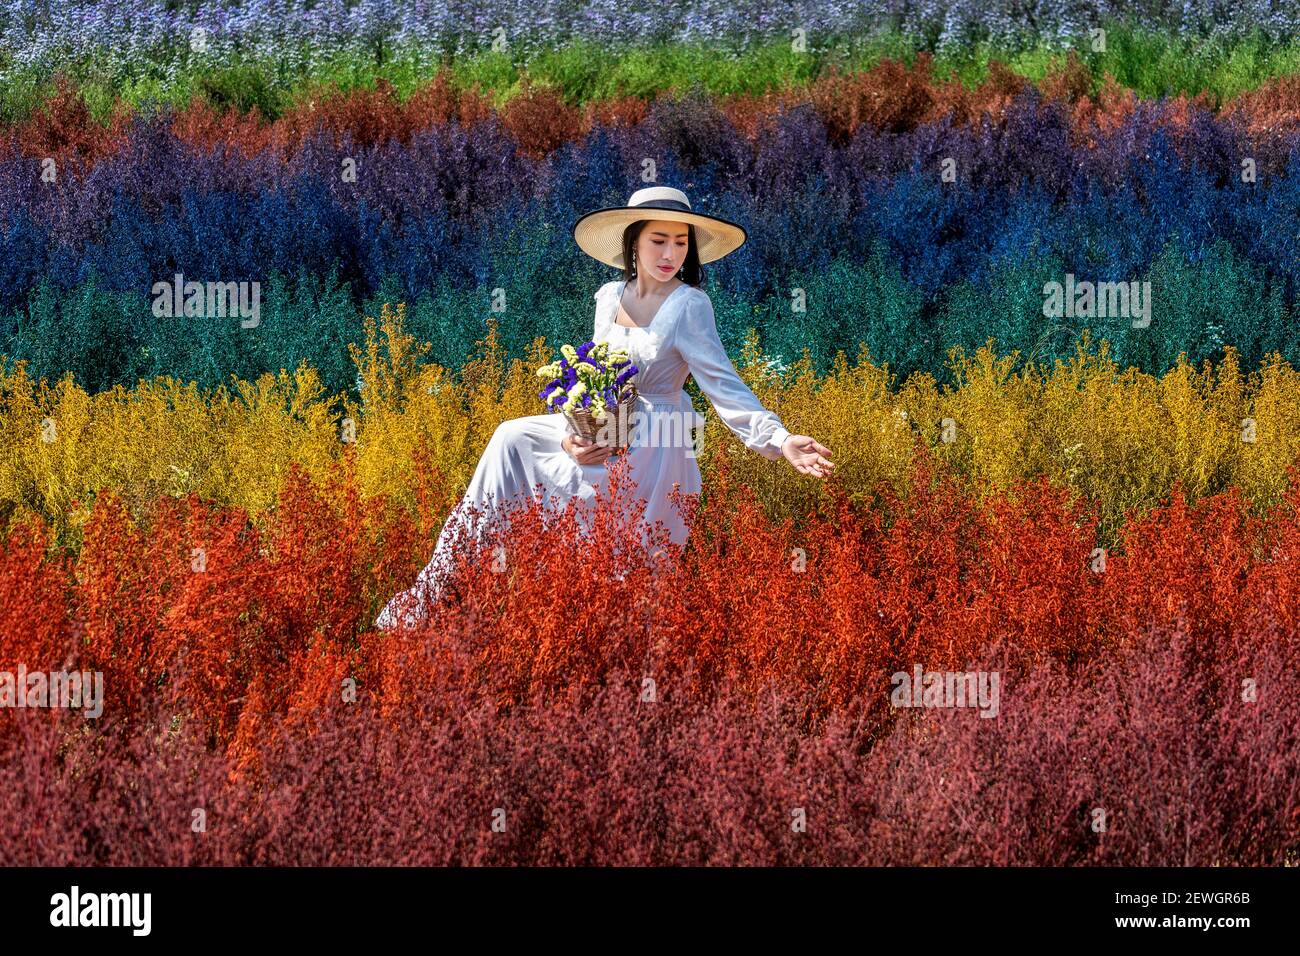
<point>736,404</point>
<point>734,401</point>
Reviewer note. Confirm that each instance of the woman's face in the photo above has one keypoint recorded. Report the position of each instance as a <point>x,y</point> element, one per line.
<point>661,249</point>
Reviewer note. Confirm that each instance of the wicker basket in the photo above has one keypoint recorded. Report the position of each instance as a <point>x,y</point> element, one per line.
<point>618,435</point>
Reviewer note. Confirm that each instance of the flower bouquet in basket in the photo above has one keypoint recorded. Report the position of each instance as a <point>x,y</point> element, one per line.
<point>592,385</point>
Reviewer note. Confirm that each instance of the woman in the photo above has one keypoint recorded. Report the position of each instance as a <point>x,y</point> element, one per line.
<point>659,316</point>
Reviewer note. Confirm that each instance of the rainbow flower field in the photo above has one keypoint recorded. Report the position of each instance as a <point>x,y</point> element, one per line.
<point>1033,279</point>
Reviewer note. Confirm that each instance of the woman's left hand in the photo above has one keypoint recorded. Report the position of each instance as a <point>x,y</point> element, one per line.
<point>807,455</point>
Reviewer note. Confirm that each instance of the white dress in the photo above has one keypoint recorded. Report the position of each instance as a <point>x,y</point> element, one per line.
<point>525,453</point>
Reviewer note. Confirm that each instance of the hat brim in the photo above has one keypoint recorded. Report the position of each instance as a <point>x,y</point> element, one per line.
<point>600,233</point>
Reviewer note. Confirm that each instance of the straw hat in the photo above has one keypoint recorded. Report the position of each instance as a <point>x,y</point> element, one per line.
<point>600,233</point>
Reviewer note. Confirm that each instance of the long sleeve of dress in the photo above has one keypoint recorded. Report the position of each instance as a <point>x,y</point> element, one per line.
<point>600,323</point>
<point>734,401</point>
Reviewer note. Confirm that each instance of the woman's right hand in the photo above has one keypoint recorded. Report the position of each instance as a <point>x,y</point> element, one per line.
<point>585,451</point>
